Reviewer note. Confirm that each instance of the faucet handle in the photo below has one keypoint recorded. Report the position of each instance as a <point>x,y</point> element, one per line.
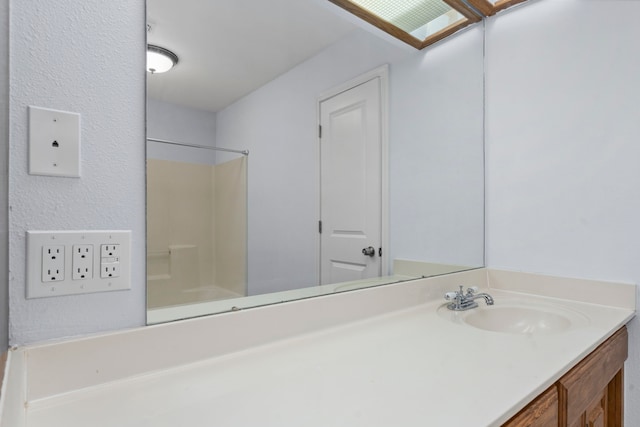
<point>450,295</point>
<point>472,290</point>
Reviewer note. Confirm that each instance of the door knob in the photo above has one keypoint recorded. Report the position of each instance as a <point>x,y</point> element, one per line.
<point>370,251</point>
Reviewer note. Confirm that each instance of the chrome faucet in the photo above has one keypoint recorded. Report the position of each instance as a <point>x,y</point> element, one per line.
<point>465,301</point>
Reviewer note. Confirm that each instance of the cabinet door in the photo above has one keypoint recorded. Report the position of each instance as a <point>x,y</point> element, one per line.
<point>615,401</point>
<point>586,384</point>
<point>606,410</point>
<point>542,412</point>
<point>596,414</point>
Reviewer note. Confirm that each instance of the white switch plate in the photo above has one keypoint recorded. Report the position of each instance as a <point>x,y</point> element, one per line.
<point>54,142</point>
<point>89,242</point>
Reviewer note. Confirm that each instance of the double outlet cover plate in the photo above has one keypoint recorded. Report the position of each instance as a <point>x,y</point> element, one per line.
<point>77,262</point>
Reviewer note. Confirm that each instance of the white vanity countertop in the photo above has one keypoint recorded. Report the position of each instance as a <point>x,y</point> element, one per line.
<point>409,367</point>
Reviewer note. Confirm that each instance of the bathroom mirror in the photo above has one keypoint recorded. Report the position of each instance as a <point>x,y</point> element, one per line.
<point>227,231</point>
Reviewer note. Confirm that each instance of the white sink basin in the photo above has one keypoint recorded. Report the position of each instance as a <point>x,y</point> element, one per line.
<point>518,317</point>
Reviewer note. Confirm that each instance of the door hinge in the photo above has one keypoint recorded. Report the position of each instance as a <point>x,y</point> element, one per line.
<point>319,131</point>
<point>320,227</point>
<point>380,251</point>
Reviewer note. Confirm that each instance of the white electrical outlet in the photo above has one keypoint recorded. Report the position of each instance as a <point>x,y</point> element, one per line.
<point>108,270</point>
<point>110,260</point>
<point>54,142</point>
<point>67,262</point>
<point>110,252</point>
<point>82,262</point>
<point>52,263</point>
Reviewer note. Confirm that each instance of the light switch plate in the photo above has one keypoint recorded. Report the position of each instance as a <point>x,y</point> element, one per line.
<point>54,142</point>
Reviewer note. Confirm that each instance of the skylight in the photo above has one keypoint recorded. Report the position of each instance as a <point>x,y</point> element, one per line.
<point>422,22</point>
<point>408,15</point>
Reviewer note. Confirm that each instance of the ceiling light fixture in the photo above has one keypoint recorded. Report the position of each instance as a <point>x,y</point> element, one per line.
<point>159,59</point>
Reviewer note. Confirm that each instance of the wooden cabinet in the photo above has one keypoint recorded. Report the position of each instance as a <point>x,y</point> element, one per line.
<point>542,412</point>
<point>589,395</point>
<point>595,415</point>
<point>584,391</point>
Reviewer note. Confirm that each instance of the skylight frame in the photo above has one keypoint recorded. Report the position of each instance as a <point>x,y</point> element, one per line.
<point>488,8</point>
<point>470,17</point>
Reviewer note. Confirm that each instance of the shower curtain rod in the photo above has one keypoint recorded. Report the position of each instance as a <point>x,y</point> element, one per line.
<point>182,144</point>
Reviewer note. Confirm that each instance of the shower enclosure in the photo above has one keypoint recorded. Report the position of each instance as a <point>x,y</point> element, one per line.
<point>196,227</point>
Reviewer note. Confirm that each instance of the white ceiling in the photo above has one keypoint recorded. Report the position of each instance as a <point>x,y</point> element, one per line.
<point>228,48</point>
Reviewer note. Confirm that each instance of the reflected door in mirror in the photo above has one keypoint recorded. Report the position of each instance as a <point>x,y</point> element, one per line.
<point>351,184</point>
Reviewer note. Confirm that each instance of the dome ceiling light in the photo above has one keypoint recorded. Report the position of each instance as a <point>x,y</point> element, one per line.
<point>159,59</point>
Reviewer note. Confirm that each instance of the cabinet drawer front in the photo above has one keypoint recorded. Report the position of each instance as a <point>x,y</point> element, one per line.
<point>589,378</point>
<point>542,412</point>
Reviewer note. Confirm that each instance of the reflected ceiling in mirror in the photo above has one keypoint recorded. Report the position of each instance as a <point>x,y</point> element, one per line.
<point>419,23</point>
<point>253,81</point>
<point>229,48</point>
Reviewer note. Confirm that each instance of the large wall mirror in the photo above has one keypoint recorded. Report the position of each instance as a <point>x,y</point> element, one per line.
<point>227,230</point>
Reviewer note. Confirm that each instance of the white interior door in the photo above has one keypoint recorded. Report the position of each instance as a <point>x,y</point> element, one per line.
<point>351,184</point>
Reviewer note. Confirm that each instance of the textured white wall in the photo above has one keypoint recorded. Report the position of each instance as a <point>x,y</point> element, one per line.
<point>435,138</point>
<point>86,57</point>
<point>4,184</point>
<point>563,144</point>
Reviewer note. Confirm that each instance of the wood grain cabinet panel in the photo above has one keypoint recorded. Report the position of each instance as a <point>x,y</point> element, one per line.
<point>542,412</point>
<point>587,384</point>
<point>615,399</point>
<point>589,395</point>
<point>596,413</point>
